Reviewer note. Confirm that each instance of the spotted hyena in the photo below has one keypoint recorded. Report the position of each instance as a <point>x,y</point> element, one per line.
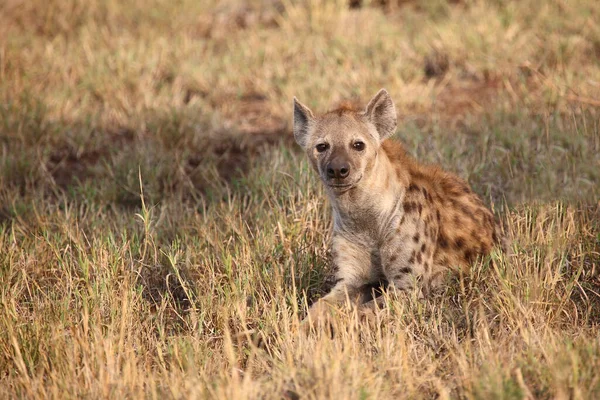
<point>394,220</point>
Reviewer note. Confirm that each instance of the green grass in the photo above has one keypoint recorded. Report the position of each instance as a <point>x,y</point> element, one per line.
<point>161,234</point>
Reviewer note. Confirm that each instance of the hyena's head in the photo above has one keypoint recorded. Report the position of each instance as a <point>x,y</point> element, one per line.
<point>342,145</point>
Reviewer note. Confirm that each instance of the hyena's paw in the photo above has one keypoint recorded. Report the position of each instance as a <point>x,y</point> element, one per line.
<point>318,318</point>
<point>368,312</point>
<point>367,316</point>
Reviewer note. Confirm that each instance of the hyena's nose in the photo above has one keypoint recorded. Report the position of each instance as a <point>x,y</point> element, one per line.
<point>338,170</point>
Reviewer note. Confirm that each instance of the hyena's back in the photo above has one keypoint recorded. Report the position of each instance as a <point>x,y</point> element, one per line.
<point>448,213</point>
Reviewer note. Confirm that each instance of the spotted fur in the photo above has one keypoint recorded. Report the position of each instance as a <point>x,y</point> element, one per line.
<point>394,220</point>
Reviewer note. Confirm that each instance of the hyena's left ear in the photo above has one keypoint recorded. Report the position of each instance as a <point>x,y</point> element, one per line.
<point>381,112</point>
<point>303,119</point>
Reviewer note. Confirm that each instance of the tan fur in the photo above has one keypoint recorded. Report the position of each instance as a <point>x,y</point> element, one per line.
<point>395,220</point>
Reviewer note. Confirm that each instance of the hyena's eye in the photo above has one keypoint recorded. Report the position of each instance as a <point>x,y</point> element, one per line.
<point>321,147</point>
<point>358,145</point>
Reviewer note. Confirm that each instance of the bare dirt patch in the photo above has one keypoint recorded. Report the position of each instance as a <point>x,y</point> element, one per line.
<point>391,5</point>
<point>231,155</point>
<point>252,113</point>
<point>436,65</point>
<point>227,19</point>
<point>461,97</point>
<point>249,124</point>
<point>67,166</point>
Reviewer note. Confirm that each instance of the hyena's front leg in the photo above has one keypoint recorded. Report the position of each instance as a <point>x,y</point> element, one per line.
<point>355,267</point>
<point>402,267</point>
<point>407,256</point>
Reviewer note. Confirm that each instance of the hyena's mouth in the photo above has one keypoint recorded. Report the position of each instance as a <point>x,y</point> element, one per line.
<point>343,187</point>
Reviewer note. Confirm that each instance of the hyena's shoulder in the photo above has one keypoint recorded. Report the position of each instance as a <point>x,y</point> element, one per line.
<point>451,214</point>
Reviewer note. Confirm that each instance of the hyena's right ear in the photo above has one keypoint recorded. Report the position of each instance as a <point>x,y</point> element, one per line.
<point>303,119</point>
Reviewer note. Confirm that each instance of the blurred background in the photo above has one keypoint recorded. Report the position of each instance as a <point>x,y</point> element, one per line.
<point>92,90</point>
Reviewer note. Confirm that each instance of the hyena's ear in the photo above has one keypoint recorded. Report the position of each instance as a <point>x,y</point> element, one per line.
<point>381,112</point>
<point>303,119</point>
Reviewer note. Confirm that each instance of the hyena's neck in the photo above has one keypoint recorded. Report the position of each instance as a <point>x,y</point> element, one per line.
<point>374,202</point>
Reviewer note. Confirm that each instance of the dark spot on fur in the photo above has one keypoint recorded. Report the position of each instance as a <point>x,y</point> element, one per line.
<point>442,241</point>
<point>402,220</point>
<point>412,257</point>
<point>459,243</point>
<point>437,213</point>
<point>393,258</point>
<point>413,188</point>
<point>468,255</point>
<point>423,248</point>
<point>461,187</point>
<point>335,268</point>
<point>409,206</point>
<point>420,208</point>
<point>418,175</point>
<point>419,258</point>
<point>416,237</point>
<point>405,270</point>
<point>456,219</point>
<point>465,210</point>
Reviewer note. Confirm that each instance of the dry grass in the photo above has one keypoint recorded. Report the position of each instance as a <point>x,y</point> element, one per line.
<point>161,235</point>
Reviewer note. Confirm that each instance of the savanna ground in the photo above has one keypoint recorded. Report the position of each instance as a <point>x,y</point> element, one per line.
<point>161,234</point>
